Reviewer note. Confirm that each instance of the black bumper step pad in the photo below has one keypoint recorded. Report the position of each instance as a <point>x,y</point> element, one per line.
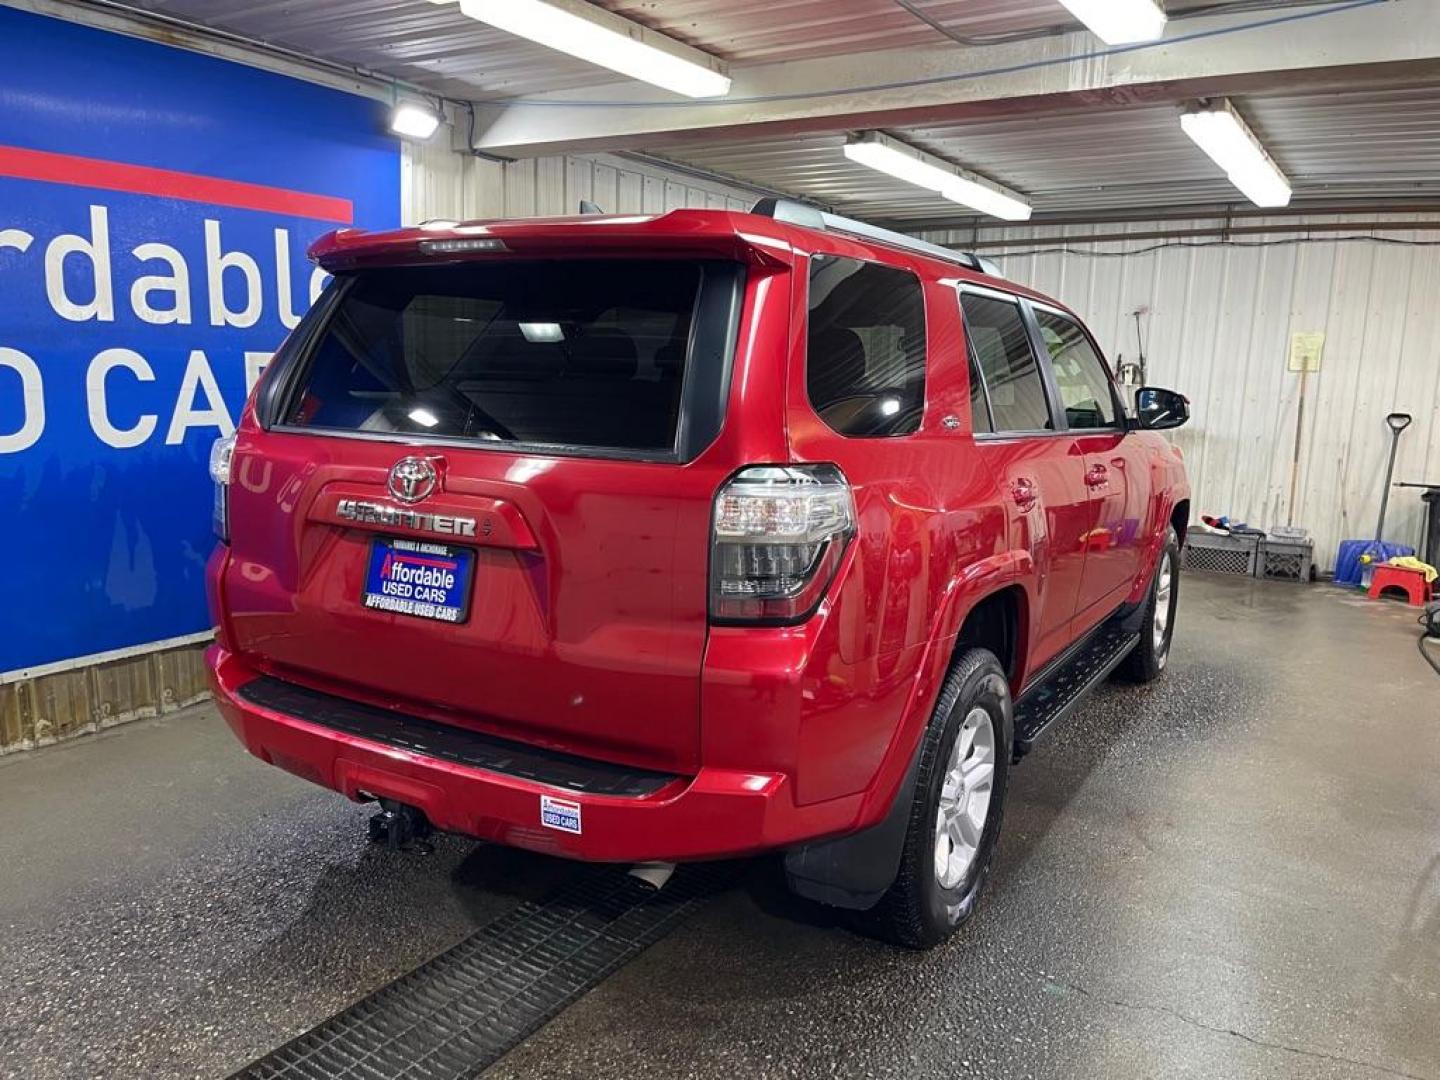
<point>459,1013</point>
<point>450,743</point>
<point>1060,691</point>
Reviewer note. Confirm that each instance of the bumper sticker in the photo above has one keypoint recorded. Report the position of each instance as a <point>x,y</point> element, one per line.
<point>560,814</point>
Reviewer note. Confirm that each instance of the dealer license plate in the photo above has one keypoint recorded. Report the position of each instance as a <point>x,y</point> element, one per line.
<point>416,577</point>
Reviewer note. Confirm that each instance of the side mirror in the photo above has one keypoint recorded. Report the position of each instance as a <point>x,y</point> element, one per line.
<point>1157,409</point>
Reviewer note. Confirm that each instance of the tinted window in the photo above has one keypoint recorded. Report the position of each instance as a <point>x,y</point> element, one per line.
<point>1079,373</point>
<point>1001,346</point>
<point>979,407</point>
<point>865,371</point>
<point>585,353</point>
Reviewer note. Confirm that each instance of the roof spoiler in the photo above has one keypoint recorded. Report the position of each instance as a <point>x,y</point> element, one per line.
<point>810,217</point>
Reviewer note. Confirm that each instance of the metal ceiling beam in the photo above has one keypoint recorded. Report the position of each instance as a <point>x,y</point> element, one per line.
<point>132,21</point>
<point>1146,216</point>
<point>1298,229</point>
<point>1395,42</point>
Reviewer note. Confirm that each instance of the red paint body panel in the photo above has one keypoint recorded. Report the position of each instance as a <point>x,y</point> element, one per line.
<point>588,629</point>
<point>716,812</point>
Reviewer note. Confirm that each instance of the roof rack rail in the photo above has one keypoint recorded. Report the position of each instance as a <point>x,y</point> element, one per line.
<point>797,213</point>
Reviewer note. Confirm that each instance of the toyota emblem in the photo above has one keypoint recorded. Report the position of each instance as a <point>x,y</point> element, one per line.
<point>412,478</point>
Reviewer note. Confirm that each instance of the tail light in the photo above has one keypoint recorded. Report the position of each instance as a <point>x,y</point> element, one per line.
<point>778,536</point>
<point>221,454</point>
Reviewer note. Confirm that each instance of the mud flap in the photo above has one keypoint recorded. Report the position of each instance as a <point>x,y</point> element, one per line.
<point>853,872</point>
<point>1131,617</point>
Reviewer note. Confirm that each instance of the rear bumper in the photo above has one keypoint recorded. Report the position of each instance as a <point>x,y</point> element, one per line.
<point>715,814</point>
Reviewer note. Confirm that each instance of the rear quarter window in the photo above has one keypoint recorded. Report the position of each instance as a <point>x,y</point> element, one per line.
<point>865,362</point>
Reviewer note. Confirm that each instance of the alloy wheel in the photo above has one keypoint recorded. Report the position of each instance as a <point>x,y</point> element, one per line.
<point>1164,584</point>
<point>965,799</point>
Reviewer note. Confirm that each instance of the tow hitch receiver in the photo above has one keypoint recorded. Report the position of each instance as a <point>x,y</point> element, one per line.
<point>401,828</point>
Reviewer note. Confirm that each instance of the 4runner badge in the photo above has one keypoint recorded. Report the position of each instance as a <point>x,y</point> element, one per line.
<point>412,478</point>
<point>374,513</point>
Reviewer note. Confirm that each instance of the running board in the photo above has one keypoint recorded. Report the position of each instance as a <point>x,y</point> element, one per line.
<point>1066,685</point>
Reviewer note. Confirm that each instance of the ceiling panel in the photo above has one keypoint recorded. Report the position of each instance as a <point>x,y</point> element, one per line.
<point>435,46</point>
<point>1362,144</point>
<point>761,32</point>
<point>1334,146</point>
<point>431,45</point>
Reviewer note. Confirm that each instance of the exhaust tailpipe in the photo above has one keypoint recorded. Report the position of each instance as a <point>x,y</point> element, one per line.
<point>653,875</point>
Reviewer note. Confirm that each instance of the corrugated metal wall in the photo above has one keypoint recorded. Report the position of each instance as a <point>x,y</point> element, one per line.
<point>438,183</point>
<point>1218,329</point>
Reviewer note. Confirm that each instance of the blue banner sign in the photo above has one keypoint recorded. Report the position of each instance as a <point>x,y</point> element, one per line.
<point>155,208</point>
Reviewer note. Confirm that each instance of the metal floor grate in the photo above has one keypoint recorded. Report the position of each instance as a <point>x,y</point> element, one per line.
<point>459,1013</point>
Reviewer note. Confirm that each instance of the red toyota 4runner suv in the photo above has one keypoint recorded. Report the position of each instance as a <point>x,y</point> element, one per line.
<point>706,534</point>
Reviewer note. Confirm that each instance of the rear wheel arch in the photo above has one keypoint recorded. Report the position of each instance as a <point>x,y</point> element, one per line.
<point>855,870</point>
<point>921,908</point>
<point>999,622</point>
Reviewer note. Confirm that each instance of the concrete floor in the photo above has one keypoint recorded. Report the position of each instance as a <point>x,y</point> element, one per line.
<point>1233,873</point>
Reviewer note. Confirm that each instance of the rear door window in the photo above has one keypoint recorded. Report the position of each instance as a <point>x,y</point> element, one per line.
<point>865,369</point>
<point>1001,348</point>
<point>583,353</point>
<point>1080,376</point>
<point>979,407</point>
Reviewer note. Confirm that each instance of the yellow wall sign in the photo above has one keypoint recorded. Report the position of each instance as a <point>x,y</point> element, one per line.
<point>1305,350</point>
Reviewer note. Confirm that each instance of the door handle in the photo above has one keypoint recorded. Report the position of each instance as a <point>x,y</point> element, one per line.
<point>1097,476</point>
<point>1022,490</point>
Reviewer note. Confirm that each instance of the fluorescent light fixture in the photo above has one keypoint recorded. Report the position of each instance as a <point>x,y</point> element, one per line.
<point>1120,22</point>
<point>424,417</point>
<point>980,194</point>
<point>413,121</point>
<point>904,162</point>
<point>538,332</point>
<point>593,34</point>
<point>893,158</point>
<point>1221,132</point>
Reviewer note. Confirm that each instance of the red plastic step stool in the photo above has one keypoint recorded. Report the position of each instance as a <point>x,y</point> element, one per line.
<point>1400,577</point>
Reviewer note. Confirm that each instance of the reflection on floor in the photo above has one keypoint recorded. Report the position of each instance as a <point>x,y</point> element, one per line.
<point>1233,873</point>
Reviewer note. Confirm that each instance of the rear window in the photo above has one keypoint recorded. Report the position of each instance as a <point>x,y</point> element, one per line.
<point>865,369</point>
<point>580,353</point>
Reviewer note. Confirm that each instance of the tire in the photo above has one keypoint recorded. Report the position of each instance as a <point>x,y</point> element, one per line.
<point>1147,660</point>
<point>926,904</point>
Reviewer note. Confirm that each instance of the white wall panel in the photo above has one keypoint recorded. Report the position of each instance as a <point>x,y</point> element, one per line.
<point>438,183</point>
<point>1219,330</point>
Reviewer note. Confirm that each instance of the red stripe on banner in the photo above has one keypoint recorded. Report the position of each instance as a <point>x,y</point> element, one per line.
<point>168,184</point>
